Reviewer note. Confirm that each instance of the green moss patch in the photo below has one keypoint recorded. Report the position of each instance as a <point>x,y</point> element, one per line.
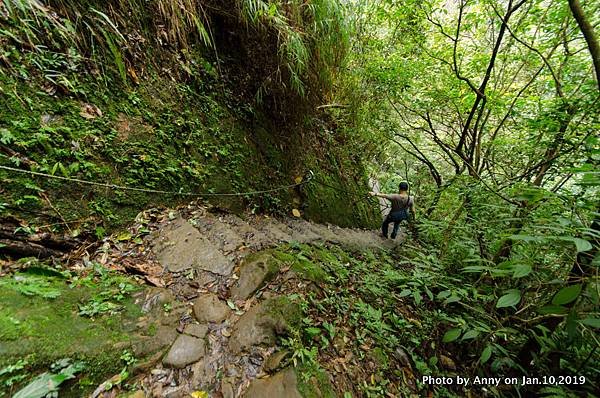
<point>45,318</point>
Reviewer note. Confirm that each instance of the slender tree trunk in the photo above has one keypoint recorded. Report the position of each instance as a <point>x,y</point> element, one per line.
<point>588,33</point>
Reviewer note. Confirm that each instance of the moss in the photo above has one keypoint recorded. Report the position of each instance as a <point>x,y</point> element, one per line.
<point>44,330</point>
<point>313,382</point>
<point>380,357</point>
<point>283,256</point>
<point>310,270</point>
<point>285,310</point>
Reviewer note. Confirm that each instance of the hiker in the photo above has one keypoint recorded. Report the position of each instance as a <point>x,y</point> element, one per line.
<point>401,204</point>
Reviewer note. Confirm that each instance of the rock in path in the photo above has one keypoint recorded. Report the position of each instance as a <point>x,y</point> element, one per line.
<point>180,246</point>
<point>184,351</point>
<point>282,385</point>
<point>208,308</point>
<point>196,330</point>
<point>261,324</point>
<point>255,272</point>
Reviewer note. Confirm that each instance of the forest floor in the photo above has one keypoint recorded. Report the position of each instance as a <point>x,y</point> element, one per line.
<point>220,305</point>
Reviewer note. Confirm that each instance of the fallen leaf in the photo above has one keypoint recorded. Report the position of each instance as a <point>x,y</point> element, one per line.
<point>447,362</point>
<point>89,111</point>
<point>199,394</point>
<point>124,235</point>
<point>231,305</point>
<point>298,180</point>
<point>296,213</point>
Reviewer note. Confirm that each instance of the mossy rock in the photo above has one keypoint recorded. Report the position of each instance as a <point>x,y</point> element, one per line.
<point>261,325</point>
<point>256,271</point>
<point>313,382</point>
<point>40,330</point>
<point>310,270</point>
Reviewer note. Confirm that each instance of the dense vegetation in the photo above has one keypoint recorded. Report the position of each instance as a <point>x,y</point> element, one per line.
<point>488,108</point>
<point>178,97</point>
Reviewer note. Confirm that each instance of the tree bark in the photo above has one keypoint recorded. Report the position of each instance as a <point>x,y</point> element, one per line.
<point>588,33</point>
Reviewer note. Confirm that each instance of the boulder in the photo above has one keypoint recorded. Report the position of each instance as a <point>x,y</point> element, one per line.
<point>184,351</point>
<point>179,247</point>
<point>208,308</point>
<point>282,385</point>
<point>255,272</point>
<point>196,330</point>
<point>275,361</point>
<point>261,324</point>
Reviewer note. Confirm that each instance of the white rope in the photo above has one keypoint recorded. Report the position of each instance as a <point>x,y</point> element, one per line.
<point>146,190</point>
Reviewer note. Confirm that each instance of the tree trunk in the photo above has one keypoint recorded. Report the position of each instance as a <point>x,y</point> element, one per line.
<point>588,33</point>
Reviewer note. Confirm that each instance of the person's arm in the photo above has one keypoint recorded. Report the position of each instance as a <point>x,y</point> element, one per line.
<point>380,195</point>
<point>412,208</point>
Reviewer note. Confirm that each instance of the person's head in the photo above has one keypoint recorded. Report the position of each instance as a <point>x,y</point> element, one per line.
<point>403,187</point>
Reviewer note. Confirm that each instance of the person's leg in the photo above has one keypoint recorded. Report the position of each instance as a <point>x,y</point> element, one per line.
<point>384,227</point>
<point>395,230</point>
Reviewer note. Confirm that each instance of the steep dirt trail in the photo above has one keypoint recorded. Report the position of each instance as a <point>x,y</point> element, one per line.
<point>220,283</point>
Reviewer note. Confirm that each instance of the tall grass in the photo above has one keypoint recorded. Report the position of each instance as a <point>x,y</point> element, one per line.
<point>312,37</point>
<point>117,31</point>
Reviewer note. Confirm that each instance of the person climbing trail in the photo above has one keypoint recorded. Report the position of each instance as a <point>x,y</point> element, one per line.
<point>403,205</point>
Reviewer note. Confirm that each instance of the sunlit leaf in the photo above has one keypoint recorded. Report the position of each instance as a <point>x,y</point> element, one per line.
<point>521,270</point>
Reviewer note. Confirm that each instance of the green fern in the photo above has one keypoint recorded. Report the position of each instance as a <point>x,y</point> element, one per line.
<point>31,285</point>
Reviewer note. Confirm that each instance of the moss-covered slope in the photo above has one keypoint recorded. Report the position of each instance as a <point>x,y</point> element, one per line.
<point>174,116</point>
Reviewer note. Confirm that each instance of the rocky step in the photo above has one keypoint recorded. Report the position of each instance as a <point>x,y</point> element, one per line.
<point>179,246</point>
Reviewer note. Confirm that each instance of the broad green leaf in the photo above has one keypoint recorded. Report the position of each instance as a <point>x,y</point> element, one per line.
<point>470,334</point>
<point>566,294</point>
<point>571,324</point>
<point>417,297</point>
<point>39,387</point>
<point>451,335</point>
<point>405,292</point>
<point>485,354</point>
<point>452,299</point>
<point>124,235</point>
<point>593,322</point>
<point>511,298</point>
<point>521,270</point>
<point>552,309</point>
<point>312,331</point>
<point>582,245</point>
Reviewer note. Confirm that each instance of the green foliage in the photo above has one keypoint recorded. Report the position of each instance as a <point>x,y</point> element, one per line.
<point>31,285</point>
<point>113,290</point>
<point>46,384</point>
<point>312,40</point>
<point>36,331</point>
